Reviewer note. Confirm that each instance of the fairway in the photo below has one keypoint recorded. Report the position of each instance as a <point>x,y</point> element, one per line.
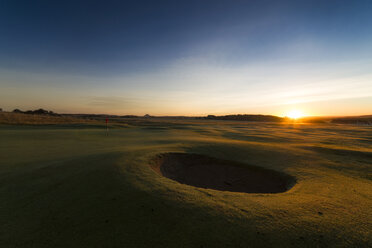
<point>73,186</point>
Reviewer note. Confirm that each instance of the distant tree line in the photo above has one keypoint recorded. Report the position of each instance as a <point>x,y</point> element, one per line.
<point>36,112</point>
<point>361,120</point>
<point>265,118</point>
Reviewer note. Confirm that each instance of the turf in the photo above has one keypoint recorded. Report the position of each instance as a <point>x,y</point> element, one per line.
<point>73,186</point>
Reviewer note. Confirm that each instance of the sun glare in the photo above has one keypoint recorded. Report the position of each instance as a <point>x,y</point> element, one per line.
<point>294,114</point>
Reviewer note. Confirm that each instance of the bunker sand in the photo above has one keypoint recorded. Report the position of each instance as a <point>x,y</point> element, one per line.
<point>212,173</point>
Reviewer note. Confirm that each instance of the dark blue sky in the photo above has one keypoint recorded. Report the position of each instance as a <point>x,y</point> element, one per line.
<point>108,39</point>
<point>116,36</point>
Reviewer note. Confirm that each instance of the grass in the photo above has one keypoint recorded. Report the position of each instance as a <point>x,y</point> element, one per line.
<point>72,186</point>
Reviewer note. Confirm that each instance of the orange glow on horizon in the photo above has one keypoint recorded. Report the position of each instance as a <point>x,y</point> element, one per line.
<point>295,114</point>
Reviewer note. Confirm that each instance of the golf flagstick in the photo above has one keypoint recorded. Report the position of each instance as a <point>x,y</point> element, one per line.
<point>106,126</point>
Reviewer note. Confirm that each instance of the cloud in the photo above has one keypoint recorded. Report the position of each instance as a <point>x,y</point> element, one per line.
<point>112,102</point>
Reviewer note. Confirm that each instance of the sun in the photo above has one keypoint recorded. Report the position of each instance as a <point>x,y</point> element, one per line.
<point>295,114</point>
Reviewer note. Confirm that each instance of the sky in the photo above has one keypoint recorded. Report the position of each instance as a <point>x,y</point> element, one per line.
<point>187,57</point>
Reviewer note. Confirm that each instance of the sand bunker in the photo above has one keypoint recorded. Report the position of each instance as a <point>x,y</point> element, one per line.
<point>211,173</point>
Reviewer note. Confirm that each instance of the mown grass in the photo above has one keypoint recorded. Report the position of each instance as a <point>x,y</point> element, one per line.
<point>77,187</point>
